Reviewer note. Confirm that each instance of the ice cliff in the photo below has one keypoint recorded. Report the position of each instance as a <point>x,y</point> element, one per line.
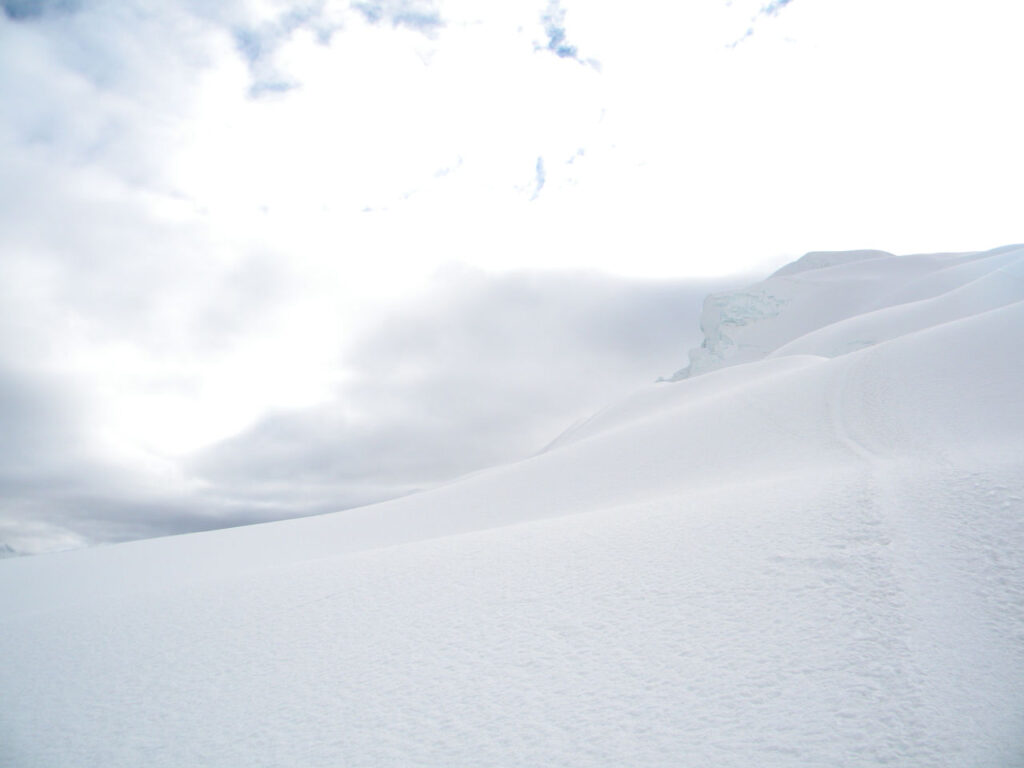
<point>829,303</point>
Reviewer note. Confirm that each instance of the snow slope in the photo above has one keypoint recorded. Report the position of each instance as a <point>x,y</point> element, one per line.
<point>810,555</point>
<point>806,301</point>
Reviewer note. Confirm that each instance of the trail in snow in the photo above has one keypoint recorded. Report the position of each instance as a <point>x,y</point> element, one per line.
<point>812,558</point>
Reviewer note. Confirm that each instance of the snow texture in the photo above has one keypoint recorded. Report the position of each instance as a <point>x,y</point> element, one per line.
<point>810,555</point>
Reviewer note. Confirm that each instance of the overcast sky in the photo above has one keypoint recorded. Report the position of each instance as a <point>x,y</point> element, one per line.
<point>260,259</point>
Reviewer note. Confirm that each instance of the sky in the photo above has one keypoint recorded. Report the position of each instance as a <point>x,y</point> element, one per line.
<point>261,259</point>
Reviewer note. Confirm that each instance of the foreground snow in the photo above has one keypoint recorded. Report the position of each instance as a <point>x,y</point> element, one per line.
<point>810,555</point>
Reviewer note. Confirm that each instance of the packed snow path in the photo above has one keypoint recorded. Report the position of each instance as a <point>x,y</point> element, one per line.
<point>812,558</point>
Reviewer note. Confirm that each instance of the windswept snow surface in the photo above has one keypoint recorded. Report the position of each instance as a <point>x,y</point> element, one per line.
<point>811,555</point>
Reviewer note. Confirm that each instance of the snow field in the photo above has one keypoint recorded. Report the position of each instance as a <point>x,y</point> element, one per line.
<point>814,558</point>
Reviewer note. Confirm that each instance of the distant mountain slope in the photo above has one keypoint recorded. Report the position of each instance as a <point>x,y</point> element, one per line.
<point>820,290</point>
<point>812,554</point>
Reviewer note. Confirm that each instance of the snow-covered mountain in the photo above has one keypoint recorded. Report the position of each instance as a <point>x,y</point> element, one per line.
<point>808,551</point>
<point>833,303</point>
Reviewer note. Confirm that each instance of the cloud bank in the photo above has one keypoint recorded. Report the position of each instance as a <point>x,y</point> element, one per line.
<point>206,207</point>
<point>478,369</point>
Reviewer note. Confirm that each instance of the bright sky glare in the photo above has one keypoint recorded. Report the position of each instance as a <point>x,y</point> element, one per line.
<point>655,149</point>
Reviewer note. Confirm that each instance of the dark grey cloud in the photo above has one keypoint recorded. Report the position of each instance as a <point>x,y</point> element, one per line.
<point>41,431</point>
<point>481,370</point>
<point>478,370</point>
<point>56,490</point>
<point>59,489</point>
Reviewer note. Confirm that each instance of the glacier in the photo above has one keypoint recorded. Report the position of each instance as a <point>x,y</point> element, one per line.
<point>807,550</point>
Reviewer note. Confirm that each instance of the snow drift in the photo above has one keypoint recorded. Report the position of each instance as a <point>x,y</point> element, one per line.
<point>807,551</point>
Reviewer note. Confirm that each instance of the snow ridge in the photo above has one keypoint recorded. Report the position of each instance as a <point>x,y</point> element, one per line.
<point>792,311</point>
